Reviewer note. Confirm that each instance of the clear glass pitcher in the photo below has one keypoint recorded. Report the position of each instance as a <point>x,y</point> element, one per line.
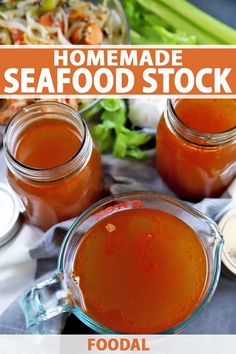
<point>60,294</point>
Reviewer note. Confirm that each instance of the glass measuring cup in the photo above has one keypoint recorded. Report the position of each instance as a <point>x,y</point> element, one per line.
<point>60,294</point>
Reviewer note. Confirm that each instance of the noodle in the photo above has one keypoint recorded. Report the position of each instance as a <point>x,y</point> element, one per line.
<point>67,15</point>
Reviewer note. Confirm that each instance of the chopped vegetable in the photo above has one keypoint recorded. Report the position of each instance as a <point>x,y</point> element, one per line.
<point>5,37</point>
<point>113,134</point>
<point>17,36</point>
<point>103,134</point>
<point>7,6</point>
<point>174,22</point>
<point>46,19</point>
<point>111,105</point>
<point>49,5</point>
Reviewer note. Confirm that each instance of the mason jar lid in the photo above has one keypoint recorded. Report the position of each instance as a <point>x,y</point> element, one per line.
<point>228,228</point>
<point>9,214</point>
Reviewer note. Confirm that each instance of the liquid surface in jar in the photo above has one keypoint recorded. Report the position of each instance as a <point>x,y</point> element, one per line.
<point>207,115</point>
<point>140,271</point>
<point>47,144</point>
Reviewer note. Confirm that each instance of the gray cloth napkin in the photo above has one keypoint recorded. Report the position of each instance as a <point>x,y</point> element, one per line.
<point>126,176</point>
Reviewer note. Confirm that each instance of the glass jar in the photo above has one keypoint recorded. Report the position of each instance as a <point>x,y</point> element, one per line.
<point>193,163</point>
<point>51,193</point>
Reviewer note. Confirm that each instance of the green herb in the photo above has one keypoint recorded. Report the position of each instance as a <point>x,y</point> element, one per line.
<point>111,105</point>
<point>49,5</point>
<point>112,133</point>
<point>174,22</point>
<point>103,134</point>
<point>35,11</point>
<point>7,7</point>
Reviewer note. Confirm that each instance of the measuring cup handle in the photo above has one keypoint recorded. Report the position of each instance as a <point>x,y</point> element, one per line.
<point>44,301</point>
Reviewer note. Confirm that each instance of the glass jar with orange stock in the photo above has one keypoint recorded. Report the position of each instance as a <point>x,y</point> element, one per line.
<point>196,146</point>
<point>52,162</point>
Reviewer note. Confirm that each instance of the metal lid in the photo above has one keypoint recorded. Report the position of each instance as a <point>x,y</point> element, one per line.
<point>228,227</point>
<point>9,214</point>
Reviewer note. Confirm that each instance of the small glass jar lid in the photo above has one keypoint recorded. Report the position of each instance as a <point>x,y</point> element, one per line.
<point>9,214</point>
<point>228,228</point>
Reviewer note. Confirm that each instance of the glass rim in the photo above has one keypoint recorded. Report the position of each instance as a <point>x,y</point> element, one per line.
<point>28,170</point>
<point>172,200</point>
<point>206,139</point>
<point>125,22</point>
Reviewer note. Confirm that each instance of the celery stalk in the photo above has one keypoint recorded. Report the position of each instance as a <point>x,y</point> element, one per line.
<point>136,37</point>
<point>176,20</point>
<point>202,20</point>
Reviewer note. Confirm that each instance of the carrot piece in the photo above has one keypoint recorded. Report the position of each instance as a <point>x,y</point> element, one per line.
<point>93,34</point>
<point>46,19</point>
<point>17,36</point>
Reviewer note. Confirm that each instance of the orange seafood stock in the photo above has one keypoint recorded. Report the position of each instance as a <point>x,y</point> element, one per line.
<point>140,271</point>
<point>48,144</point>
<point>192,164</point>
